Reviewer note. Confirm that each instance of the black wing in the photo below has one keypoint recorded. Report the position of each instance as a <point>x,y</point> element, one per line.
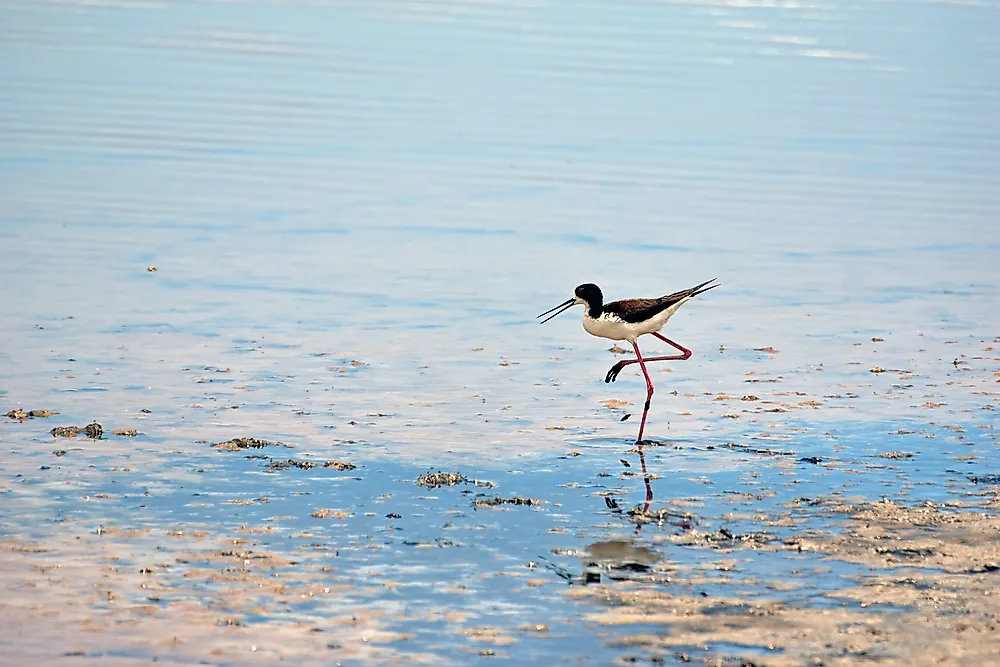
<point>638,310</point>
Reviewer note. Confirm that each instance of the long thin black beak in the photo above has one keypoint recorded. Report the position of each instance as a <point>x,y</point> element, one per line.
<point>561,308</point>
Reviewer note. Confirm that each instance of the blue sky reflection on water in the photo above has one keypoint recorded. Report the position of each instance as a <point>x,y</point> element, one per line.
<point>356,209</point>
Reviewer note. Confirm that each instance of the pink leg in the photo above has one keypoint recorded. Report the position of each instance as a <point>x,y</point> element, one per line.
<point>686,352</point>
<point>649,391</point>
<point>617,368</point>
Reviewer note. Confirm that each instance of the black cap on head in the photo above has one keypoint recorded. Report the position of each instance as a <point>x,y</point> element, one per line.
<point>590,293</point>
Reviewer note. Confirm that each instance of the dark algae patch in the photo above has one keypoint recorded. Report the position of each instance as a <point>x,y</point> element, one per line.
<point>238,444</point>
<point>434,480</point>
<point>275,466</point>
<point>497,501</point>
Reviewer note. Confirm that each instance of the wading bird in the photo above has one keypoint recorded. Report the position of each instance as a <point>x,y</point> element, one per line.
<point>627,320</point>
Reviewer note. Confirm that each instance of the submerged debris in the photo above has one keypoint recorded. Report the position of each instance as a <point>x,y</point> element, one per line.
<point>747,449</point>
<point>497,500</point>
<point>237,444</point>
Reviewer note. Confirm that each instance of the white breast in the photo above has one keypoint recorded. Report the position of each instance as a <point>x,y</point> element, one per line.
<point>611,326</point>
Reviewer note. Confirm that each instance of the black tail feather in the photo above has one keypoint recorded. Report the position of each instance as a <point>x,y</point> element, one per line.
<point>690,292</point>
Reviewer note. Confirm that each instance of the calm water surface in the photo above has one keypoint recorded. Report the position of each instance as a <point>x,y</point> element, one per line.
<point>356,209</point>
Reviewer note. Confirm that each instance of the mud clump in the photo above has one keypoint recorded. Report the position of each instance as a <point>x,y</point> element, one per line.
<point>275,466</point>
<point>91,430</point>
<point>497,501</point>
<point>331,514</point>
<point>640,514</point>
<point>20,415</point>
<point>724,538</point>
<point>896,456</point>
<point>239,444</point>
<point>434,480</point>
<point>339,465</point>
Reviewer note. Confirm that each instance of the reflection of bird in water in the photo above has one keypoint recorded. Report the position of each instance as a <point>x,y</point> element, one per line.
<point>641,514</point>
<point>613,559</point>
<point>627,320</point>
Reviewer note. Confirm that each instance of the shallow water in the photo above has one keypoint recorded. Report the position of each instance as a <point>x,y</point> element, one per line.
<point>355,211</point>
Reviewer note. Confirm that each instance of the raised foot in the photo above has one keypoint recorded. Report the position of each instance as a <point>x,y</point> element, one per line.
<point>615,370</point>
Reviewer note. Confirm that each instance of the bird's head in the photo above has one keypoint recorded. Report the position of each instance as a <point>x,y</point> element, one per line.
<point>588,295</point>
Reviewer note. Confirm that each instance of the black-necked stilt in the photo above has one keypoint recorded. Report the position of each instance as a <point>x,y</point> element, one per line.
<point>627,320</point>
